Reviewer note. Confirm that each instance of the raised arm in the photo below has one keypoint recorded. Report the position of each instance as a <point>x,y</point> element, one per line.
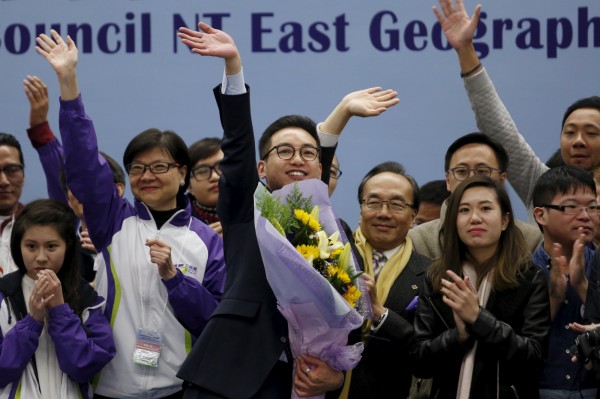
<point>460,30</point>
<point>493,119</point>
<point>42,138</point>
<point>63,57</point>
<point>81,157</point>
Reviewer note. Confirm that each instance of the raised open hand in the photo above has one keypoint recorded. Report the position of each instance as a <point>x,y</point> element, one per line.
<point>209,41</point>
<point>37,94</point>
<point>61,55</point>
<point>370,102</point>
<point>458,27</point>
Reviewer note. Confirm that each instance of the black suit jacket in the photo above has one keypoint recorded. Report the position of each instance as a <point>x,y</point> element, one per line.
<point>384,370</point>
<point>246,334</point>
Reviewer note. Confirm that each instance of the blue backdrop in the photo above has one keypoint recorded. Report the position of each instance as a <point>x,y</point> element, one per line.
<point>302,57</point>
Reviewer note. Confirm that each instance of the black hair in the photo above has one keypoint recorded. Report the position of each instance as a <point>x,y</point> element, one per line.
<point>396,168</point>
<point>204,148</point>
<point>478,138</point>
<point>561,180</point>
<point>11,141</point>
<point>166,140</point>
<point>298,121</point>
<point>588,102</point>
<point>434,192</point>
<point>47,212</point>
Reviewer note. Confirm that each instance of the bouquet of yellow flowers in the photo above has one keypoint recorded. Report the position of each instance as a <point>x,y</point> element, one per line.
<point>311,272</point>
<point>327,254</point>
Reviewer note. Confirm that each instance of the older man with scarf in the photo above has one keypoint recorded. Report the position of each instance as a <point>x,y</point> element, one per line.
<point>394,272</point>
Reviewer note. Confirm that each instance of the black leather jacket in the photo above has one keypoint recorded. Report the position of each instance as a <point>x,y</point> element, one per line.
<point>511,333</point>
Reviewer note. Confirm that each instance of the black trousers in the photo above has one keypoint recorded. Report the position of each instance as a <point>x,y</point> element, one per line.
<point>278,385</point>
<point>176,395</point>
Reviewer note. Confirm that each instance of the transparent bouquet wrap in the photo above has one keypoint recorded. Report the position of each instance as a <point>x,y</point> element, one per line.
<point>319,317</point>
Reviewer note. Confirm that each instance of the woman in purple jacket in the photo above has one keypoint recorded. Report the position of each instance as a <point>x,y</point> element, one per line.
<point>53,336</point>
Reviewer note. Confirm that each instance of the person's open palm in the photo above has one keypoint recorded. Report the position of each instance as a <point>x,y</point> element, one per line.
<point>209,41</point>
<point>61,55</point>
<point>458,27</point>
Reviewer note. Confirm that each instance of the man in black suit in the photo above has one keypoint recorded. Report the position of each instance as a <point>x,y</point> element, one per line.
<point>243,351</point>
<point>394,272</point>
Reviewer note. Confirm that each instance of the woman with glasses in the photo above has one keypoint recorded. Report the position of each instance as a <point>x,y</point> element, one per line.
<point>484,314</point>
<point>164,270</point>
<point>203,192</point>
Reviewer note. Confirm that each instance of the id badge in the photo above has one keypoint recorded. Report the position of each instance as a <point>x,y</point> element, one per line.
<point>147,348</point>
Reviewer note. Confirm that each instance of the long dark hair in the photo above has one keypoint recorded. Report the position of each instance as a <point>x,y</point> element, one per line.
<point>46,212</point>
<point>511,255</point>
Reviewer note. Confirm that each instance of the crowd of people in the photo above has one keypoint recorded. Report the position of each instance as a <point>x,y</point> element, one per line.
<point>167,296</point>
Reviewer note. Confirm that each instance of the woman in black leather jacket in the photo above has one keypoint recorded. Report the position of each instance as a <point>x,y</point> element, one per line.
<point>482,320</point>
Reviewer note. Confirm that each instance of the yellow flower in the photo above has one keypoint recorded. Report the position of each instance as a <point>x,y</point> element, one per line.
<point>309,252</point>
<point>307,219</point>
<point>336,252</point>
<point>336,272</point>
<point>352,295</point>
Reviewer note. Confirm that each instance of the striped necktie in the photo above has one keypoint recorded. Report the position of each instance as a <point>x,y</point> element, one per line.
<point>379,260</point>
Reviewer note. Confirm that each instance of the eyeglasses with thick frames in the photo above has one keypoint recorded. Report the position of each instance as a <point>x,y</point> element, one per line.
<point>203,172</point>
<point>138,168</point>
<point>462,172</point>
<point>287,152</point>
<point>376,205</point>
<point>335,173</point>
<point>575,209</point>
<point>12,171</point>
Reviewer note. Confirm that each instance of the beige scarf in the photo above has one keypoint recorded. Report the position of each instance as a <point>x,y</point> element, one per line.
<point>391,270</point>
<point>466,369</point>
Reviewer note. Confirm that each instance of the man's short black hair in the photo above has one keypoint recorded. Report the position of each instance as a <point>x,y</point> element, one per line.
<point>434,192</point>
<point>478,138</point>
<point>298,121</point>
<point>588,102</point>
<point>391,167</point>
<point>11,141</point>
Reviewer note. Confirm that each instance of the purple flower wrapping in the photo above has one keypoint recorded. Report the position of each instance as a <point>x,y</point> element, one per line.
<point>319,318</point>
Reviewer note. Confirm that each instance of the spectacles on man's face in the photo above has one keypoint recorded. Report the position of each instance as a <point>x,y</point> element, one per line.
<point>575,209</point>
<point>335,173</point>
<point>203,172</point>
<point>138,168</point>
<point>376,205</point>
<point>462,172</point>
<point>12,171</point>
<point>287,152</point>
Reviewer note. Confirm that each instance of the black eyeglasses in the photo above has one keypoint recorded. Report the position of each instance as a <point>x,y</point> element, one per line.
<point>12,171</point>
<point>575,209</point>
<point>335,173</point>
<point>203,172</point>
<point>462,172</point>
<point>138,168</point>
<point>287,152</point>
<point>376,205</point>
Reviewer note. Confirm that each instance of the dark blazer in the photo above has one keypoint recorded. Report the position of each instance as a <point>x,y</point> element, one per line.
<point>246,334</point>
<point>385,369</point>
<point>511,333</point>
